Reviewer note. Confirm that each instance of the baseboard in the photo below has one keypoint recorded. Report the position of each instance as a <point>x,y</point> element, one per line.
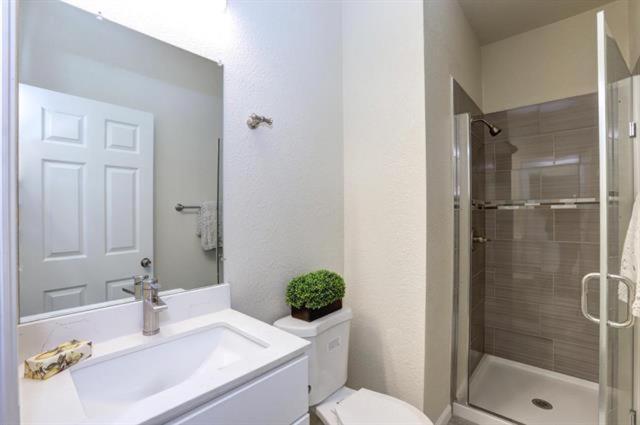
<point>444,416</point>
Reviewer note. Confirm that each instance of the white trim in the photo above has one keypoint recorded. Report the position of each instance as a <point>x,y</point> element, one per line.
<point>478,416</point>
<point>445,416</point>
<point>9,408</point>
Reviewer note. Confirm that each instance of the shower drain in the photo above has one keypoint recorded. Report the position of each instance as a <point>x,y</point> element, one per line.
<point>543,404</point>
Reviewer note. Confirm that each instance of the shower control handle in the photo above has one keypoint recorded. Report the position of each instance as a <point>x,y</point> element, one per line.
<point>480,239</point>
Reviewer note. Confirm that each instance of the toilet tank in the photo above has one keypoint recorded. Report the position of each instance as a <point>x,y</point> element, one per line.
<point>328,353</point>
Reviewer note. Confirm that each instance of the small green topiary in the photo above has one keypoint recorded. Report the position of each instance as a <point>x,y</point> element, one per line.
<point>315,290</point>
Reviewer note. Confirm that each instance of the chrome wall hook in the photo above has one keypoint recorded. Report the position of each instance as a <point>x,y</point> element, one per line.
<point>255,120</point>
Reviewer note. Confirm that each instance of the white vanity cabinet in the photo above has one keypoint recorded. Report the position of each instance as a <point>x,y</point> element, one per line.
<point>233,369</point>
<point>279,397</point>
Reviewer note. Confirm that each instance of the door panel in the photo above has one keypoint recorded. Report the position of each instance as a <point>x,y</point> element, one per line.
<point>57,299</point>
<point>122,215</point>
<point>616,344</point>
<point>63,208</point>
<point>86,199</point>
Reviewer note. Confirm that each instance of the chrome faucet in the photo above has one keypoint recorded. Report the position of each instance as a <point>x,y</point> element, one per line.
<point>152,305</point>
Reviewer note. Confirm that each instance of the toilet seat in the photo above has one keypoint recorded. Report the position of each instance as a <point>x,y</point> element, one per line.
<point>365,407</point>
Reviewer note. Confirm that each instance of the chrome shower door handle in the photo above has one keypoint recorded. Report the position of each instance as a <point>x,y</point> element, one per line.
<point>584,302</point>
<point>630,296</point>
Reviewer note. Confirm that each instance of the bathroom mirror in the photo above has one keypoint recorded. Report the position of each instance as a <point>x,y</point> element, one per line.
<point>119,140</point>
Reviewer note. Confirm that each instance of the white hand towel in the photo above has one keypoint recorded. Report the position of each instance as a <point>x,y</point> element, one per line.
<point>208,226</point>
<point>631,258</point>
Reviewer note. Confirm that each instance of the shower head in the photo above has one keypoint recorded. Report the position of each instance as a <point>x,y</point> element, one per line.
<point>493,130</point>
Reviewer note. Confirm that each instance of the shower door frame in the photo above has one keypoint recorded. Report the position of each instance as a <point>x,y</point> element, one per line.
<point>635,89</point>
<point>462,203</point>
<point>606,131</point>
<point>462,233</point>
<point>461,169</point>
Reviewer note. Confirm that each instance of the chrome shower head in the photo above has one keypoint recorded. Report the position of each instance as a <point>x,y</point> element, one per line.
<point>493,130</point>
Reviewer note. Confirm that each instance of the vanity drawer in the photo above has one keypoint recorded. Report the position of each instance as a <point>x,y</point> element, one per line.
<point>275,398</point>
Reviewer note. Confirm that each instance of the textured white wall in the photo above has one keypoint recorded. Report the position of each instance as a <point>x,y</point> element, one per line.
<point>451,49</point>
<point>551,62</point>
<point>283,187</point>
<point>384,211</point>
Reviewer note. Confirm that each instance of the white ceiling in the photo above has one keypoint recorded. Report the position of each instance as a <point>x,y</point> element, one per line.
<point>494,20</point>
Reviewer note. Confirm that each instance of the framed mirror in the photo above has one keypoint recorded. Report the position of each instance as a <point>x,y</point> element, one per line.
<point>119,143</point>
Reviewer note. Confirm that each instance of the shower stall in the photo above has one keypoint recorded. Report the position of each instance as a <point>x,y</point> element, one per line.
<point>543,197</point>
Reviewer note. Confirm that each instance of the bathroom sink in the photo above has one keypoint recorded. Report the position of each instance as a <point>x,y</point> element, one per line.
<point>205,351</point>
<point>109,386</point>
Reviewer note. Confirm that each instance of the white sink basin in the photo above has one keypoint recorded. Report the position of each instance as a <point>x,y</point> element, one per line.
<point>108,387</point>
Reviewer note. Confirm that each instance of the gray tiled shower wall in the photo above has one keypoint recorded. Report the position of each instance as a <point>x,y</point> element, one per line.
<point>534,263</point>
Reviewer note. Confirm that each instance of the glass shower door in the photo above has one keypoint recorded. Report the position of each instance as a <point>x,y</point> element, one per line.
<point>615,290</point>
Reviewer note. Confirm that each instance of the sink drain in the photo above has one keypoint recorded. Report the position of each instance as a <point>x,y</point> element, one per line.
<point>543,404</point>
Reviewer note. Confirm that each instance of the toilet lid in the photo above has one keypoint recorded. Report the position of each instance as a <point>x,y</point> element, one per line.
<point>366,407</point>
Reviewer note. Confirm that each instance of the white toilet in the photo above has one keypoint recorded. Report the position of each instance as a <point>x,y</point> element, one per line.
<point>331,401</point>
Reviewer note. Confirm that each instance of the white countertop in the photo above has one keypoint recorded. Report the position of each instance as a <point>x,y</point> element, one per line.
<point>56,401</point>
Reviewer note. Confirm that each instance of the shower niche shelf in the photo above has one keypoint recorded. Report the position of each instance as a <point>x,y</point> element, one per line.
<point>569,203</point>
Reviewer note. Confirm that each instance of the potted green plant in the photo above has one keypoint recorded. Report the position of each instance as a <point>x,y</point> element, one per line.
<point>315,294</point>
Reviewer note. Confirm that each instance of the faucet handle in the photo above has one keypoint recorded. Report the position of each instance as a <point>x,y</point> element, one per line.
<point>159,305</point>
<point>137,286</point>
<point>138,279</point>
<point>150,283</point>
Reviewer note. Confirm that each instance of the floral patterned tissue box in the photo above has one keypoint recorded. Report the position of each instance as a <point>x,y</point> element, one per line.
<point>65,355</point>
